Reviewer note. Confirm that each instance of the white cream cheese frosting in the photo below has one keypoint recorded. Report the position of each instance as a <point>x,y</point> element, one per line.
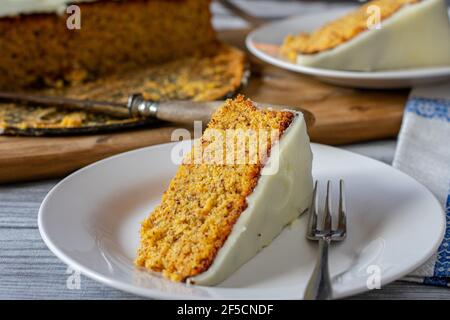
<point>17,7</point>
<point>275,202</point>
<point>418,35</point>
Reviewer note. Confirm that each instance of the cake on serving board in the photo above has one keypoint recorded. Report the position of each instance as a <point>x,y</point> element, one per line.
<point>164,49</point>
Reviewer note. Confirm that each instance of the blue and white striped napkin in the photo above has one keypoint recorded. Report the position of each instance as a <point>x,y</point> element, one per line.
<point>423,152</point>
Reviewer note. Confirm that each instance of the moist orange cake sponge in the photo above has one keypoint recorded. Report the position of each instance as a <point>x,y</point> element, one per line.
<point>221,208</point>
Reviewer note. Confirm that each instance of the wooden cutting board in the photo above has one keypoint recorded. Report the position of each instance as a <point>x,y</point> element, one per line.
<point>343,116</point>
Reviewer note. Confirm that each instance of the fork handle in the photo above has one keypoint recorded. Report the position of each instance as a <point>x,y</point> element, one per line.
<point>319,286</point>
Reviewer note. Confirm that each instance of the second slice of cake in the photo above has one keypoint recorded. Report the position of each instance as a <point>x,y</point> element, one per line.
<point>253,177</point>
<point>409,34</point>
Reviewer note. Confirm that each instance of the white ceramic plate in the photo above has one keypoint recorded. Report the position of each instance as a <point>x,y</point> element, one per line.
<point>264,43</point>
<point>91,221</point>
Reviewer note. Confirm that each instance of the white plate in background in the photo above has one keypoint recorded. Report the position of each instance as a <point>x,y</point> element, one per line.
<point>264,43</point>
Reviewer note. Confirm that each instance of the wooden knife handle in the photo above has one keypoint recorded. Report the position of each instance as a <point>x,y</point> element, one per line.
<point>186,112</point>
<point>310,119</point>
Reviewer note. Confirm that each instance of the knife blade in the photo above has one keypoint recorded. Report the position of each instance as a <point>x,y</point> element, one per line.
<point>176,111</point>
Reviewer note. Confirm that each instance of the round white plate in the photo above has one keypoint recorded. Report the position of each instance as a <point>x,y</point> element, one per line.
<point>265,41</point>
<point>91,221</point>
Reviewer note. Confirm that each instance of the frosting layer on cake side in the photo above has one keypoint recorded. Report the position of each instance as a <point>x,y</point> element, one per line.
<point>418,35</point>
<point>17,7</point>
<point>276,201</point>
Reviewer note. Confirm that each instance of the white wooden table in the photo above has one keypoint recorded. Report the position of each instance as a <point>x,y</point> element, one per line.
<point>28,270</point>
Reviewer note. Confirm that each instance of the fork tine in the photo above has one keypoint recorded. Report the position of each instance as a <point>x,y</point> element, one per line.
<point>319,286</point>
<point>342,217</point>
<point>312,221</point>
<point>326,229</point>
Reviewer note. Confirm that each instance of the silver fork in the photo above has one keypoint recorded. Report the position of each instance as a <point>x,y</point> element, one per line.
<point>319,286</point>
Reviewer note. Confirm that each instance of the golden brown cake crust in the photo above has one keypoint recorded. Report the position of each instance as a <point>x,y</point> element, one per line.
<point>203,201</point>
<point>338,31</point>
<point>38,50</point>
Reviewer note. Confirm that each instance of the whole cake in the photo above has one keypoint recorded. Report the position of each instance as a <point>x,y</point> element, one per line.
<point>39,50</point>
<point>163,49</point>
<point>410,34</point>
<point>217,213</point>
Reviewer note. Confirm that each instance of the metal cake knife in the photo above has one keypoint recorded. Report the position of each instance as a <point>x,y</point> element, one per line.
<point>176,111</point>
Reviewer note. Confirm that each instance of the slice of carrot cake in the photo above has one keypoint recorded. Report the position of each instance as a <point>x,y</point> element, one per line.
<point>246,178</point>
<point>380,35</point>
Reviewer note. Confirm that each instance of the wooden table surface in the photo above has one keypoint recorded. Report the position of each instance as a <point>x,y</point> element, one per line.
<point>28,270</point>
